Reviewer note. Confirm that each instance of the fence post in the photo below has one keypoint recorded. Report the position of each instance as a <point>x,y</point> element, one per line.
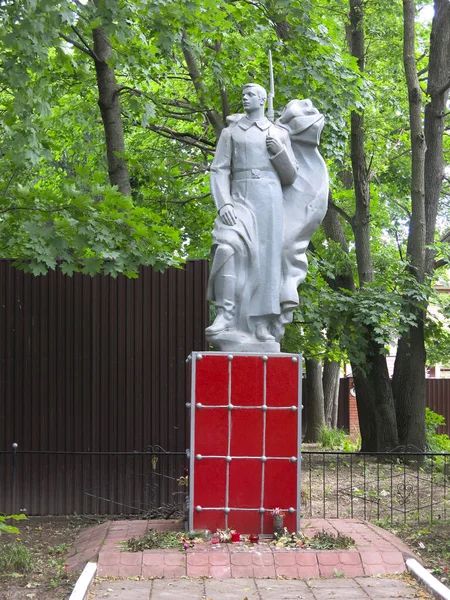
<point>14,476</point>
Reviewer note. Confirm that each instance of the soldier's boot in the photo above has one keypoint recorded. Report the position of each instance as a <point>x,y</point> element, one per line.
<point>225,293</point>
<point>262,332</point>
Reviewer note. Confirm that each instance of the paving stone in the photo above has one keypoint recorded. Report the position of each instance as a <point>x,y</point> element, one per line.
<point>382,589</point>
<point>109,558</point>
<point>219,560</point>
<point>197,559</point>
<point>287,571</point>
<point>306,559</point>
<point>173,571</point>
<point>108,571</point>
<point>123,590</point>
<point>350,558</point>
<point>351,570</point>
<point>374,569</point>
<point>230,589</point>
<point>130,570</point>
<point>130,558</point>
<point>245,571</point>
<point>219,571</point>
<point>371,558</point>
<point>197,570</point>
<point>241,559</point>
<point>328,558</point>
<point>308,572</point>
<point>284,559</point>
<point>284,590</point>
<point>264,571</point>
<point>263,559</point>
<point>153,558</point>
<point>153,570</point>
<point>175,559</point>
<point>183,589</point>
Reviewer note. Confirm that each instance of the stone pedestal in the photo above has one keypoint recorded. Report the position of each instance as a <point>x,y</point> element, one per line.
<point>245,437</point>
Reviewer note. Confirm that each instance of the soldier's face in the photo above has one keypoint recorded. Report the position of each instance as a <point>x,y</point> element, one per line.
<point>251,100</point>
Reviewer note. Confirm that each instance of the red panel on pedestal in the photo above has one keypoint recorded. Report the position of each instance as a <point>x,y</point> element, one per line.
<point>247,381</point>
<point>245,483</point>
<point>254,431</point>
<point>281,484</point>
<point>213,425</point>
<point>281,433</point>
<point>212,520</point>
<point>245,521</point>
<point>211,380</point>
<point>282,387</point>
<point>210,482</point>
<point>246,432</point>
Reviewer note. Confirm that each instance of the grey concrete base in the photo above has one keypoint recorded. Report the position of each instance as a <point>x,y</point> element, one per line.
<point>435,587</point>
<point>359,588</point>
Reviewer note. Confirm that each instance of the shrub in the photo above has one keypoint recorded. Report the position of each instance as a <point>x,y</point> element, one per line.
<point>331,439</point>
<point>15,558</point>
<point>436,442</point>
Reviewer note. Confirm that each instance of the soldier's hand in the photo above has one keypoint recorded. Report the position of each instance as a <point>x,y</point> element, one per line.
<point>273,145</point>
<point>228,215</point>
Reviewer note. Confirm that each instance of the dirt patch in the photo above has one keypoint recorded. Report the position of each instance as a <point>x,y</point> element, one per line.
<point>431,543</point>
<point>48,539</point>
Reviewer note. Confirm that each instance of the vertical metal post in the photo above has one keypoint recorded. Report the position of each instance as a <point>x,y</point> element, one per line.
<point>14,477</point>
<point>299,443</point>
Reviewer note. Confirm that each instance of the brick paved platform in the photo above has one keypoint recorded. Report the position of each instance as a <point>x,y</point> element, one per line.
<point>376,552</point>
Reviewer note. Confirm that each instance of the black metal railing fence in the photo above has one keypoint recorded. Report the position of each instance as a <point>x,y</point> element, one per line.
<point>103,483</point>
<point>382,486</point>
<point>378,487</point>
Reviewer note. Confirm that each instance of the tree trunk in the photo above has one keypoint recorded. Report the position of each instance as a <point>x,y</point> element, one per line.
<point>108,101</point>
<point>375,401</point>
<point>426,182</point>
<point>314,395</point>
<point>434,125</point>
<point>330,379</point>
<point>408,381</point>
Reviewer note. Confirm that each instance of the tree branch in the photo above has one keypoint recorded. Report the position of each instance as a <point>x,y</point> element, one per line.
<point>443,88</point>
<point>195,75</point>
<point>75,44</point>
<point>183,202</point>
<point>185,138</point>
<point>341,212</point>
<point>441,263</point>
<point>88,48</point>
<point>445,237</point>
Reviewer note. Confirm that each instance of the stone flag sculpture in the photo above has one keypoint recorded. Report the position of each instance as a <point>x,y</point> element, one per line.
<point>270,187</point>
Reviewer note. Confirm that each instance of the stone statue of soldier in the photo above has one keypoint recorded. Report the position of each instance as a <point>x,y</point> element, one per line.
<point>258,257</point>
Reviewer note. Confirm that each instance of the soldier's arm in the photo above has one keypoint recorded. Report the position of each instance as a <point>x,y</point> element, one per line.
<point>283,160</point>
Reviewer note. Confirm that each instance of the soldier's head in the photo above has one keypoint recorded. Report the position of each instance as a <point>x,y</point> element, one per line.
<point>254,97</point>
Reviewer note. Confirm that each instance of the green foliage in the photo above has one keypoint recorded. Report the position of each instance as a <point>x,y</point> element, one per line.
<point>5,528</point>
<point>436,442</point>
<point>331,439</point>
<point>15,558</point>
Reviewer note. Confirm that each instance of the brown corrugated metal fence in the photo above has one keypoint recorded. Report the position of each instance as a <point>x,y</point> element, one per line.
<point>94,365</point>
<point>438,400</point>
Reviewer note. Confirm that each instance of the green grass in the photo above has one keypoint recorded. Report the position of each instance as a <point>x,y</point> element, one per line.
<point>15,558</point>
<point>331,439</point>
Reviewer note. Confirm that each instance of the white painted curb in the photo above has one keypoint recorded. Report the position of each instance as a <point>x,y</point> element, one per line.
<point>84,582</point>
<point>435,587</point>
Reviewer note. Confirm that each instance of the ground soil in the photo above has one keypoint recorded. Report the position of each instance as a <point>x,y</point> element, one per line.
<point>431,543</point>
<point>48,540</point>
